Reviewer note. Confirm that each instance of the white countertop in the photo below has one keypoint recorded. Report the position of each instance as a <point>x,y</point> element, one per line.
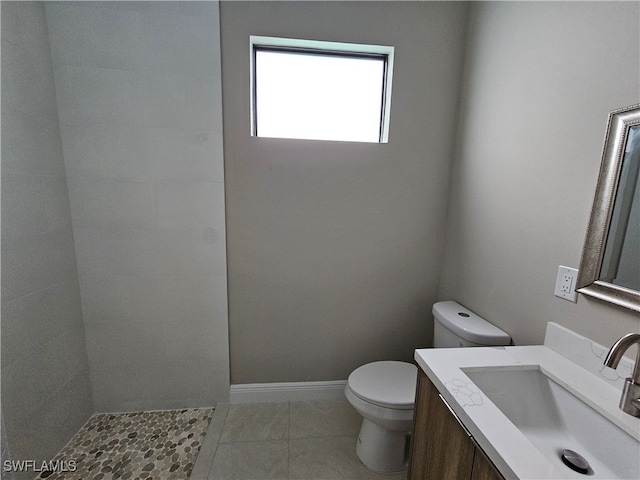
<point>508,448</point>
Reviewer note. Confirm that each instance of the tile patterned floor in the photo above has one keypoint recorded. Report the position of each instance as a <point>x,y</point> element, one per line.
<point>312,440</point>
<point>160,445</point>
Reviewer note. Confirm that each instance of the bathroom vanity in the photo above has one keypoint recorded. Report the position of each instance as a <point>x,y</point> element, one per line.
<point>523,412</point>
<point>459,457</point>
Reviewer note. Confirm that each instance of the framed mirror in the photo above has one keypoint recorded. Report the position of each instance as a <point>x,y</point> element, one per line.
<point>610,264</point>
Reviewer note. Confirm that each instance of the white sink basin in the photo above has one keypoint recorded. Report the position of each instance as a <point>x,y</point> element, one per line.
<point>553,420</point>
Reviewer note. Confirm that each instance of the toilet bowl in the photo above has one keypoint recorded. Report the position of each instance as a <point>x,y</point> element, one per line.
<point>384,392</point>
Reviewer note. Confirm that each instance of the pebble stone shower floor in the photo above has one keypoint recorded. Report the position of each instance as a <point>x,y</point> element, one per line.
<point>159,445</point>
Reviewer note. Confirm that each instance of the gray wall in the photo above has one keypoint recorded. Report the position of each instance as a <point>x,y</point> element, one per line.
<point>46,395</point>
<point>138,87</point>
<point>335,248</point>
<point>540,80</point>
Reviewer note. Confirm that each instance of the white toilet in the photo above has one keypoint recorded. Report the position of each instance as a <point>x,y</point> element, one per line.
<point>384,392</point>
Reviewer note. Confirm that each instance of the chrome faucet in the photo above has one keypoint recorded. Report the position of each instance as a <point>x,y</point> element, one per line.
<point>630,400</point>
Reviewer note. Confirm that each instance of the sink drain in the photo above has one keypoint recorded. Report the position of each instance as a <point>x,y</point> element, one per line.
<point>575,461</point>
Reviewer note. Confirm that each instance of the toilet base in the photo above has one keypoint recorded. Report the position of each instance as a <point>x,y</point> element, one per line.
<point>382,450</point>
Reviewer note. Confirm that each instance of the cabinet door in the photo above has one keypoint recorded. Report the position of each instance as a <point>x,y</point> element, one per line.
<point>483,469</point>
<point>441,448</point>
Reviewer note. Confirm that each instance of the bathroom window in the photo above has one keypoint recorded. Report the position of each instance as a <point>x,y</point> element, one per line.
<point>314,90</point>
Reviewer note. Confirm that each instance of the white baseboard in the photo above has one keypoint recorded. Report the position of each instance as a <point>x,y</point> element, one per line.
<point>288,391</point>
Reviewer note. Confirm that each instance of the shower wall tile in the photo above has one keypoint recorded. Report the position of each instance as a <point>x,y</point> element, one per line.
<point>23,26</point>
<point>97,96</point>
<point>154,356</point>
<point>105,151</point>
<point>140,113</point>
<point>35,262</point>
<point>143,252</point>
<point>37,372</point>
<point>173,37</point>
<point>15,331</point>
<point>73,400</point>
<point>120,386</point>
<point>157,37</point>
<point>30,145</point>
<point>120,48</point>
<point>192,9</point>
<point>34,319</point>
<point>24,209</point>
<point>30,91</point>
<point>162,100</point>
<point>33,205</point>
<point>111,251</point>
<point>105,297</point>
<point>153,298</point>
<point>180,385</point>
<point>56,198</point>
<point>57,421</point>
<point>125,344</point>
<point>137,387</point>
<point>174,297</point>
<point>52,311</point>
<point>185,154</point>
<point>6,454</point>
<point>75,353</point>
<point>46,393</point>
<point>98,202</point>
<point>186,100</point>
<point>154,153</point>
<point>183,341</point>
<point>104,96</point>
<point>183,204</point>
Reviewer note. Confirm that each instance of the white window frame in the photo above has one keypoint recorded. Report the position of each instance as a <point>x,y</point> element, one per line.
<point>257,42</point>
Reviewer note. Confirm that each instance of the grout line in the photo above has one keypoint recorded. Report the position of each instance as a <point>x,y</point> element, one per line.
<point>226,415</point>
<point>215,450</point>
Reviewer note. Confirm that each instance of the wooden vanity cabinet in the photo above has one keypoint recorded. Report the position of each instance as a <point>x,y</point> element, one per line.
<point>441,448</point>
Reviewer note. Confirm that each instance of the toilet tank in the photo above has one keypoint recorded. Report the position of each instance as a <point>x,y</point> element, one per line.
<point>457,326</point>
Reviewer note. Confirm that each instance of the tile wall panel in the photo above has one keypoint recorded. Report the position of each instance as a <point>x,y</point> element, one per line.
<point>46,393</point>
<point>139,100</point>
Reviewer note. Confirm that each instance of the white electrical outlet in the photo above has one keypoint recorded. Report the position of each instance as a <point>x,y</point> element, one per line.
<point>566,283</point>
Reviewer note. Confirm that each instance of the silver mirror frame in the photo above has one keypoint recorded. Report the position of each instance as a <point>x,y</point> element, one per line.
<point>588,282</point>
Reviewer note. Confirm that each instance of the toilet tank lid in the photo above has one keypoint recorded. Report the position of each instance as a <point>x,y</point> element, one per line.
<point>467,325</point>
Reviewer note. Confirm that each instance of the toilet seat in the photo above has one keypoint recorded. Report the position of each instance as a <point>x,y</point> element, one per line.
<point>388,384</point>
